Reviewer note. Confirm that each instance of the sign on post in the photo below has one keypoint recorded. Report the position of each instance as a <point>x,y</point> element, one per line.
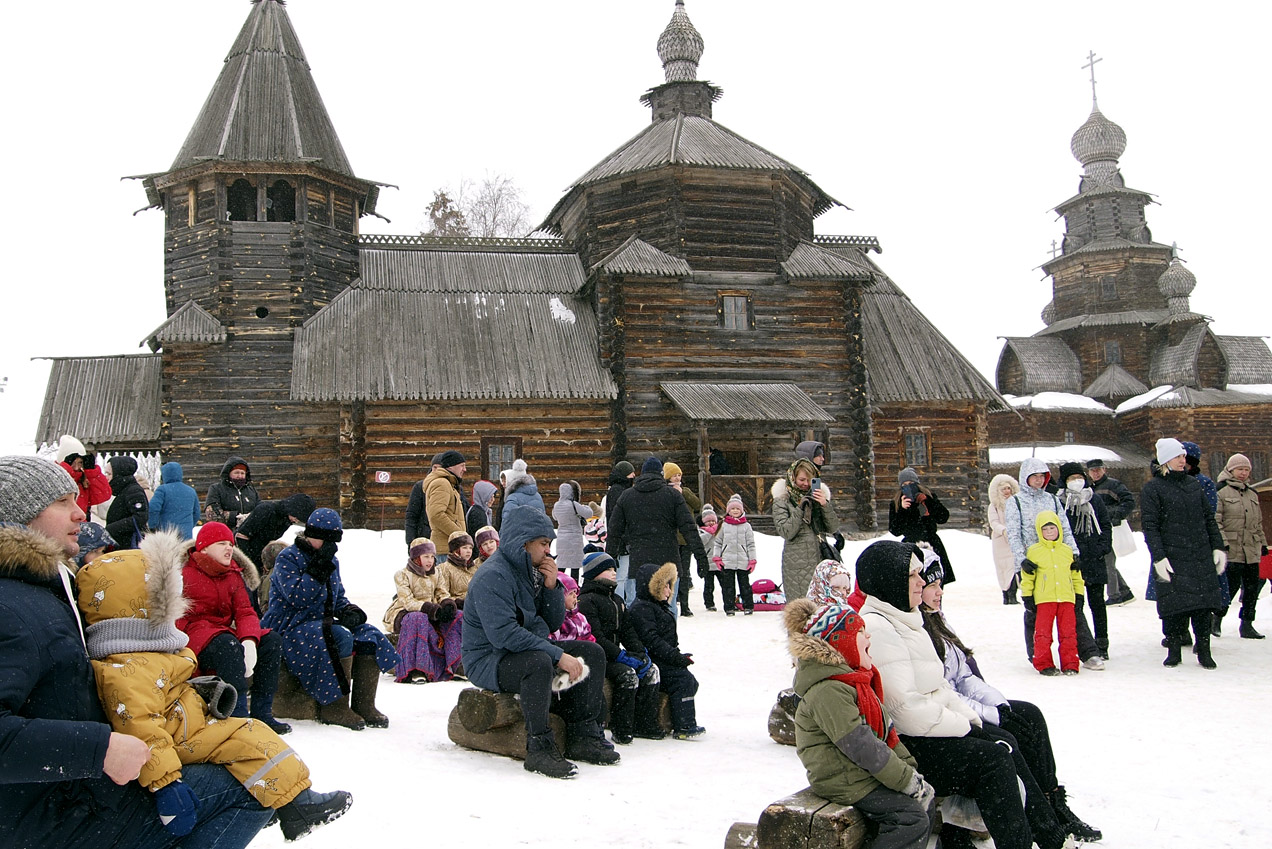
<point>382,478</point>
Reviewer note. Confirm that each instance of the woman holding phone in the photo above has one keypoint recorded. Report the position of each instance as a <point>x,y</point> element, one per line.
<point>914,514</point>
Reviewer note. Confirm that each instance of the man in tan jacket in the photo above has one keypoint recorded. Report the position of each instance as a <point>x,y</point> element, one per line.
<point>1240,520</point>
<point>443,501</point>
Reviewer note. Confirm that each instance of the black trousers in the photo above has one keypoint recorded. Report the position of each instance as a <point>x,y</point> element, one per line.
<point>902,822</point>
<point>681,687</point>
<point>1087,646</point>
<point>1099,616</point>
<point>1244,577</point>
<point>983,770</point>
<point>530,674</point>
<point>728,577</point>
<point>634,702</point>
<point>223,657</point>
<point>1046,829</point>
<point>686,582</point>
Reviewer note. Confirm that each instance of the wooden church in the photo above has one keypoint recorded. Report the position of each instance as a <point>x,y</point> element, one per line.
<point>1123,360</point>
<point>681,302</point>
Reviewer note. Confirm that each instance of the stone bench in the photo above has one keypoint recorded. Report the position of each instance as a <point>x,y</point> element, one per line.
<point>492,722</point>
<point>802,820</point>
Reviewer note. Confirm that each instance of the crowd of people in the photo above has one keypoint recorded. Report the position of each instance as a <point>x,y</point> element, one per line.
<point>549,603</point>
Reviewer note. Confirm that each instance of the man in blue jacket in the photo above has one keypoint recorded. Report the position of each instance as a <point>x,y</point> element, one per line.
<point>514,602</point>
<point>67,780</point>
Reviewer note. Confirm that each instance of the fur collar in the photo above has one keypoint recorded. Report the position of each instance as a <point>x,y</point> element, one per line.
<point>779,489</point>
<point>251,575</point>
<point>24,551</point>
<point>165,554</point>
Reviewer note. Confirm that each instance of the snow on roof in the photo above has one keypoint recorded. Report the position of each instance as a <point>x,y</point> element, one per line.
<point>1058,401</point>
<point>1143,399</point>
<point>1054,454</point>
<point>1251,388</point>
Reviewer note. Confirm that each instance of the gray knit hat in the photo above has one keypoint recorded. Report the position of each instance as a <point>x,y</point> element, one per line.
<point>29,484</point>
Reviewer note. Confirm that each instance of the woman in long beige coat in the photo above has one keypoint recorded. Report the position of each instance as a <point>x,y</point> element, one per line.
<point>1001,488</point>
<point>1241,523</point>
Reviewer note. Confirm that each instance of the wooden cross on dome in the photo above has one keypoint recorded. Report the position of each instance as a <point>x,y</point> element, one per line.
<point>1091,60</point>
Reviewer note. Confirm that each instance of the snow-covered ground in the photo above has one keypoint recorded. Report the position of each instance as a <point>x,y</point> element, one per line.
<point>1155,757</point>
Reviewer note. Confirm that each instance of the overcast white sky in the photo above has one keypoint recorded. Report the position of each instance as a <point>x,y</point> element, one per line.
<point>945,127</point>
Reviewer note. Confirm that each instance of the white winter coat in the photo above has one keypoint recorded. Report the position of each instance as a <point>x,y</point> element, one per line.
<point>922,703</point>
<point>1023,508</point>
<point>735,545</point>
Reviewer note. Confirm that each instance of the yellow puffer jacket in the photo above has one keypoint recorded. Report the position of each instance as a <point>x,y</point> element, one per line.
<point>130,600</point>
<point>1057,577</point>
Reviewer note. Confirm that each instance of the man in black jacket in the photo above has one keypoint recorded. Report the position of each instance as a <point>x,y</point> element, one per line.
<point>269,521</point>
<point>69,781</point>
<point>233,497</point>
<point>1121,504</point>
<point>647,518</point>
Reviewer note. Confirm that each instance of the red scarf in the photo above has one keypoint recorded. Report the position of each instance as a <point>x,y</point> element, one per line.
<point>210,567</point>
<point>870,701</point>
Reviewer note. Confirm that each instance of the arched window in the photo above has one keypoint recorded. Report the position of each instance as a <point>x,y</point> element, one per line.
<point>280,202</point>
<point>240,201</point>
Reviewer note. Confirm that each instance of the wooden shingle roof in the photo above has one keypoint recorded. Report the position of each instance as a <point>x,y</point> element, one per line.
<point>1107,319</point>
<point>744,402</point>
<point>454,324</point>
<point>1115,382</point>
<point>1049,364</point>
<point>902,371</point>
<point>264,106</point>
<point>811,262</point>
<point>1249,359</point>
<point>102,399</point>
<point>639,258</point>
<point>1177,364</point>
<point>191,323</point>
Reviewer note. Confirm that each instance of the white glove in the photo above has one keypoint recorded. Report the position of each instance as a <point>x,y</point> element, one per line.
<point>249,658</point>
<point>1163,570</point>
<point>1221,561</point>
<point>919,789</point>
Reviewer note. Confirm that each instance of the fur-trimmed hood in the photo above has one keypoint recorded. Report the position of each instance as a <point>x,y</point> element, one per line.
<point>24,552</point>
<point>251,574</point>
<point>780,487</point>
<point>995,490</point>
<point>143,583</point>
<point>804,646</point>
<point>652,575</point>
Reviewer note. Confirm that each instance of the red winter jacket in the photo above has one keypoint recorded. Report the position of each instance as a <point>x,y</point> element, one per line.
<point>219,603</point>
<point>93,486</point>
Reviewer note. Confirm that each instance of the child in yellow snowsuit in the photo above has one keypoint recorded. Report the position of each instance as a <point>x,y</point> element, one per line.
<point>130,601</point>
<point>1051,586</point>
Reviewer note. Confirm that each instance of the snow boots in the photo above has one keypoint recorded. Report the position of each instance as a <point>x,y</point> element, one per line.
<point>1248,632</point>
<point>1069,820</point>
<point>263,710</point>
<point>309,810</point>
<point>338,712</point>
<point>1174,652</point>
<point>585,742</point>
<point>1202,648</point>
<point>366,678</point>
<point>623,714</point>
<point>542,757</point>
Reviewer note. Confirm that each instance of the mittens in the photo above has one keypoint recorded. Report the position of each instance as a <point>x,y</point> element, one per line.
<point>625,658</point>
<point>1221,561</point>
<point>718,561</point>
<point>351,616</point>
<point>249,657</point>
<point>750,566</point>
<point>446,611</point>
<point>1028,566</point>
<point>1163,569</point>
<point>177,807</point>
<point>919,789</point>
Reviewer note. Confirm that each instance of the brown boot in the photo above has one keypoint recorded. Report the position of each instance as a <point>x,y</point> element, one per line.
<point>366,678</point>
<point>338,713</point>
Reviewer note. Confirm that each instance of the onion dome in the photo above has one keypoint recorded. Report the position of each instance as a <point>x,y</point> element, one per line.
<point>1049,313</point>
<point>1098,140</point>
<point>680,47</point>
<point>1176,281</point>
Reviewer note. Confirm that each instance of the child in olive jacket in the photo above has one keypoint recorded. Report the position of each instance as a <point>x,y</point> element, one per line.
<point>843,734</point>
<point>1050,587</point>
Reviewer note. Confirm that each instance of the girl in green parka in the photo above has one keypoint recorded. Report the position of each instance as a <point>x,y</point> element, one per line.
<point>843,735</point>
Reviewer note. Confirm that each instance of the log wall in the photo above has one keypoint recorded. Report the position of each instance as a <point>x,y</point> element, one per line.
<point>1078,288</point>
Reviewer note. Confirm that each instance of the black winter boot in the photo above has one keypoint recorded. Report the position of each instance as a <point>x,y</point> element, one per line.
<point>1248,632</point>
<point>584,742</point>
<point>1203,650</point>
<point>338,713</point>
<point>1174,653</point>
<point>310,810</point>
<point>1068,820</point>
<point>622,714</point>
<point>1216,625</point>
<point>366,679</point>
<point>542,757</point>
<point>263,710</point>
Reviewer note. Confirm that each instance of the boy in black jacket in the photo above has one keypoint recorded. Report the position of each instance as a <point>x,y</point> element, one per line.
<point>656,626</point>
<point>633,676</point>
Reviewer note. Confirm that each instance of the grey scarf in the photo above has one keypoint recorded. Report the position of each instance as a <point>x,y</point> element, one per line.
<point>1081,514</point>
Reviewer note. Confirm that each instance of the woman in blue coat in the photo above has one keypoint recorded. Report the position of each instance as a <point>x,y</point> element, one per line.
<point>175,504</point>
<point>327,643</point>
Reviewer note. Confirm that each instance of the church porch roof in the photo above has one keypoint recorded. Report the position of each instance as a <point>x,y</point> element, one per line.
<point>108,400</point>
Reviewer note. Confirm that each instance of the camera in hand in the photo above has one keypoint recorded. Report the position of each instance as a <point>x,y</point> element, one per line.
<point>910,490</point>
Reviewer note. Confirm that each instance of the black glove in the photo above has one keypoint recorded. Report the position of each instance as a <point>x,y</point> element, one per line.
<point>978,733</point>
<point>688,659</point>
<point>1030,605</point>
<point>90,461</point>
<point>351,616</point>
<point>1004,711</point>
<point>1026,735</point>
<point>446,611</point>
<point>320,570</point>
<point>1028,566</point>
<point>1264,552</point>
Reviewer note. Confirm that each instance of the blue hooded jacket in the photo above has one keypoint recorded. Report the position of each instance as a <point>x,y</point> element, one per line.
<point>175,504</point>
<point>506,609</point>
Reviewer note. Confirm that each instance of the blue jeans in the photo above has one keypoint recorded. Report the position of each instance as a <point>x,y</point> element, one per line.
<point>626,584</point>
<point>229,817</point>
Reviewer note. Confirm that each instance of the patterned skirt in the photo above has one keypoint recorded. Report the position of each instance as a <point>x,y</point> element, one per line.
<point>428,647</point>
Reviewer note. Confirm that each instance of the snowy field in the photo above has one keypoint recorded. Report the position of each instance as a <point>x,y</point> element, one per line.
<point>1152,756</point>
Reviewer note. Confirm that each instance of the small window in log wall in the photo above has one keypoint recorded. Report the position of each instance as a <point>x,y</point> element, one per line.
<point>1108,287</point>
<point>1112,352</point>
<point>497,454</point>
<point>734,310</point>
<point>1070,437</point>
<point>916,451</point>
<point>240,201</point>
<point>280,202</point>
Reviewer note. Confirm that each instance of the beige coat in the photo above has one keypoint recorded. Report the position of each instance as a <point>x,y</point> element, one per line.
<point>1004,561</point>
<point>414,591</point>
<point>455,580</point>
<point>1240,520</point>
<point>444,507</point>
